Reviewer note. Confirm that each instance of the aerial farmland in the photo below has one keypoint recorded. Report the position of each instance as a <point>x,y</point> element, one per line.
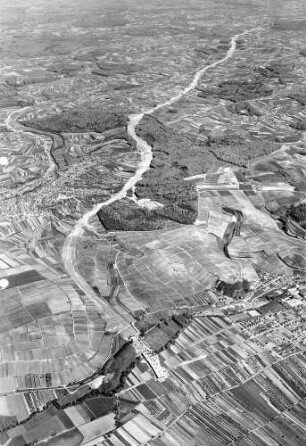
<point>152,223</point>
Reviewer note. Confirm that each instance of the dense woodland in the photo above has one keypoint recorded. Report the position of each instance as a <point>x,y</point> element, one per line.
<point>107,69</point>
<point>298,213</point>
<point>125,215</point>
<point>278,70</point>
<point>237,150</point>
<point>235,290</point>
<point>236,90</point>
<point>174,158</point>
<point>80,120</point>
<point>257,84</point>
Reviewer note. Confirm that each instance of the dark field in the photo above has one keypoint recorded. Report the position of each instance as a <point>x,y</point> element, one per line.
<point>24,278</point>
<point>100,406</point>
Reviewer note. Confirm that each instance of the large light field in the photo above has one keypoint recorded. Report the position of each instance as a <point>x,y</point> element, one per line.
<point>213,201</point>
<point>172,265</point>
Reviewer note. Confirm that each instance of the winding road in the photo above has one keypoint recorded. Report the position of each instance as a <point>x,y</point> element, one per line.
<point>145,150</point>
